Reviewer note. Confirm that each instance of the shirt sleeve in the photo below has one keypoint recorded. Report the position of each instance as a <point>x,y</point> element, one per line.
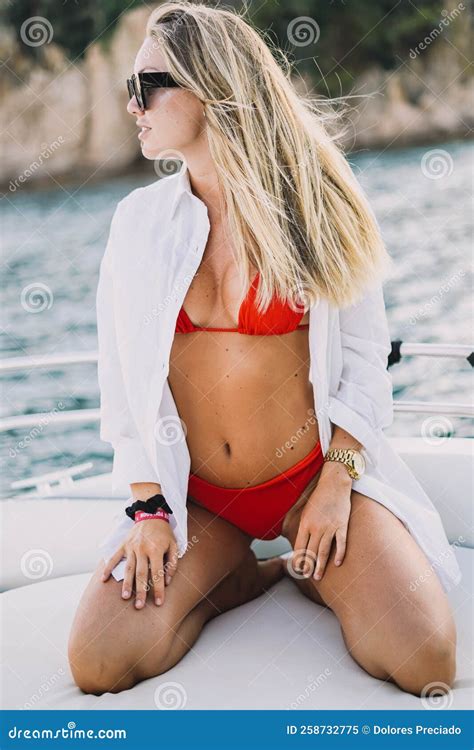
<point>363,403</point>
<point>117,426</point>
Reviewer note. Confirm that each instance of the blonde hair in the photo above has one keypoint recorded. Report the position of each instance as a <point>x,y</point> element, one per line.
<point>295,210</point>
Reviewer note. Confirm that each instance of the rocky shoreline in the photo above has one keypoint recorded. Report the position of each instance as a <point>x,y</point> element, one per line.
<point>68,122</point>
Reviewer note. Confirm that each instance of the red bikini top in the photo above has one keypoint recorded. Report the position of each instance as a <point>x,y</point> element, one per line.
<point>279,318</point>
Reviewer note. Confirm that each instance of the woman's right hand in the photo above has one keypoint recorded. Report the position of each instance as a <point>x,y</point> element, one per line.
<point>147,544</point>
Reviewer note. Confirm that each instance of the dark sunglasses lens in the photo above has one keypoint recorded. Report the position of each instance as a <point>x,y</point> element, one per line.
<point>134,90</point>
<point>138,85</point>
<point>138,94</point>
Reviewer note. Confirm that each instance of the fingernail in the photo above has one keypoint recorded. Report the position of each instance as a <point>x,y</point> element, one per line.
<point>158,601</point>
<point>126,594</point>
<point>139,603</point>
<point>317,576</point>
<point>338,562</point>
<point>168,579</point>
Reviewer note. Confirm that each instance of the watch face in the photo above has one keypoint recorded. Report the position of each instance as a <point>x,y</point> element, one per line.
<point>359,463</point>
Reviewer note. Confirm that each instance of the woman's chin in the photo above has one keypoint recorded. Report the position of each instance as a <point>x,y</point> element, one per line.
<point>149,152</point>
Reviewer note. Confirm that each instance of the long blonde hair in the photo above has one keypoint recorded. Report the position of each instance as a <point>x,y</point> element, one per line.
<point>295,210</point>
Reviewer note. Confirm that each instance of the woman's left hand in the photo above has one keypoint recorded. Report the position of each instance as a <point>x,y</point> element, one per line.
<point>324,516</point>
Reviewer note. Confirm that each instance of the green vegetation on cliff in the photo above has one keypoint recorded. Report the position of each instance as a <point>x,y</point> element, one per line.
<point>341,38</point>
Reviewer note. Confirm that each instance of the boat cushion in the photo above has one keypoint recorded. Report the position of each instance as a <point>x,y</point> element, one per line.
<point>279,651</point>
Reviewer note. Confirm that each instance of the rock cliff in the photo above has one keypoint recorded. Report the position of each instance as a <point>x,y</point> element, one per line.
<point>68,120</point>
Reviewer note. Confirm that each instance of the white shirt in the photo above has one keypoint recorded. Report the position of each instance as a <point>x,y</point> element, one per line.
<point>157,239</point>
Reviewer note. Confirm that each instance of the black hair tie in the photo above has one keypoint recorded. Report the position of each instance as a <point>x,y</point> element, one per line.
<point>149,506</point>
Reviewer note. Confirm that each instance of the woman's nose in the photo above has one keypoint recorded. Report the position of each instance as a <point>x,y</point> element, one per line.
<point>132,106</point>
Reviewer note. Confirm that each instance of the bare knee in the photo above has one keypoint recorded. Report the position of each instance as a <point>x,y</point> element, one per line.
<point>431,669</point>
<point>101,662</point>
<point>423,670</point>
<point>421,665</point>
<point>97,670</point>
<point>96,677</point>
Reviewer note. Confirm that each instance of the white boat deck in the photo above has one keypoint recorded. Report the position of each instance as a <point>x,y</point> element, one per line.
<point>279,651</point>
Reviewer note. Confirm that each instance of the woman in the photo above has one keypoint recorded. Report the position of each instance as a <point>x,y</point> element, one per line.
<point>242,366</point>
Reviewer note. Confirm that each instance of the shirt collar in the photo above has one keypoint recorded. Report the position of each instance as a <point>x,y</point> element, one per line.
<point>182,185</point>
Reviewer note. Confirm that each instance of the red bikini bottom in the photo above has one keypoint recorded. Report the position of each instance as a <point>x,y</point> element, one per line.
<point>259,510</point>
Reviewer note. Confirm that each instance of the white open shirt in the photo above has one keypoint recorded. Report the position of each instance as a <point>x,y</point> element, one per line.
<point>157,239</point>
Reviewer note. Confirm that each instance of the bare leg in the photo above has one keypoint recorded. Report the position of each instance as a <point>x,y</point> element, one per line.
<point>394,630</point>
<point>247,582</point>
<point>305,585</point>
<point>113,645</point>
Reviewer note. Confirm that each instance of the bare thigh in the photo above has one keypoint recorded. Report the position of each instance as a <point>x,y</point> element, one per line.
<point>110,636</point>
<point>392,624</point>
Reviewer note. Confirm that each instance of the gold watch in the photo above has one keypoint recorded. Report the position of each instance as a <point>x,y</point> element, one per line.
<point>353,460</point>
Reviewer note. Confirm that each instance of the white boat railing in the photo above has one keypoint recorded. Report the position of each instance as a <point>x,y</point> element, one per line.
<point>43,483</point>
<point>400,349</point>
<point>406,349</point>
<point>83,416</point>
<point>34,361</point>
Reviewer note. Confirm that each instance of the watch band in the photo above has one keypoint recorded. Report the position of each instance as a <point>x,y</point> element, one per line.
<point>343,456</point>
<point>338,454</point>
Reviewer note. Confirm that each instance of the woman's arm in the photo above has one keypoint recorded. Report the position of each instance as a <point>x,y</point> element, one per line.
<point>363,403</point>
<point>150,547</point>
<point>340,439</point>
<point>359,410</point>
<point>144,490</point>
<point>131,463</point>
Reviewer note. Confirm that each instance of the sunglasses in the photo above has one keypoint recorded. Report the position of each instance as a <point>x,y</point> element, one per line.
<point>138,85</point>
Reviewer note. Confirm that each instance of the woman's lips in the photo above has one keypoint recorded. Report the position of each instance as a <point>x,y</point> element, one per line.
<point>143,133</point>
